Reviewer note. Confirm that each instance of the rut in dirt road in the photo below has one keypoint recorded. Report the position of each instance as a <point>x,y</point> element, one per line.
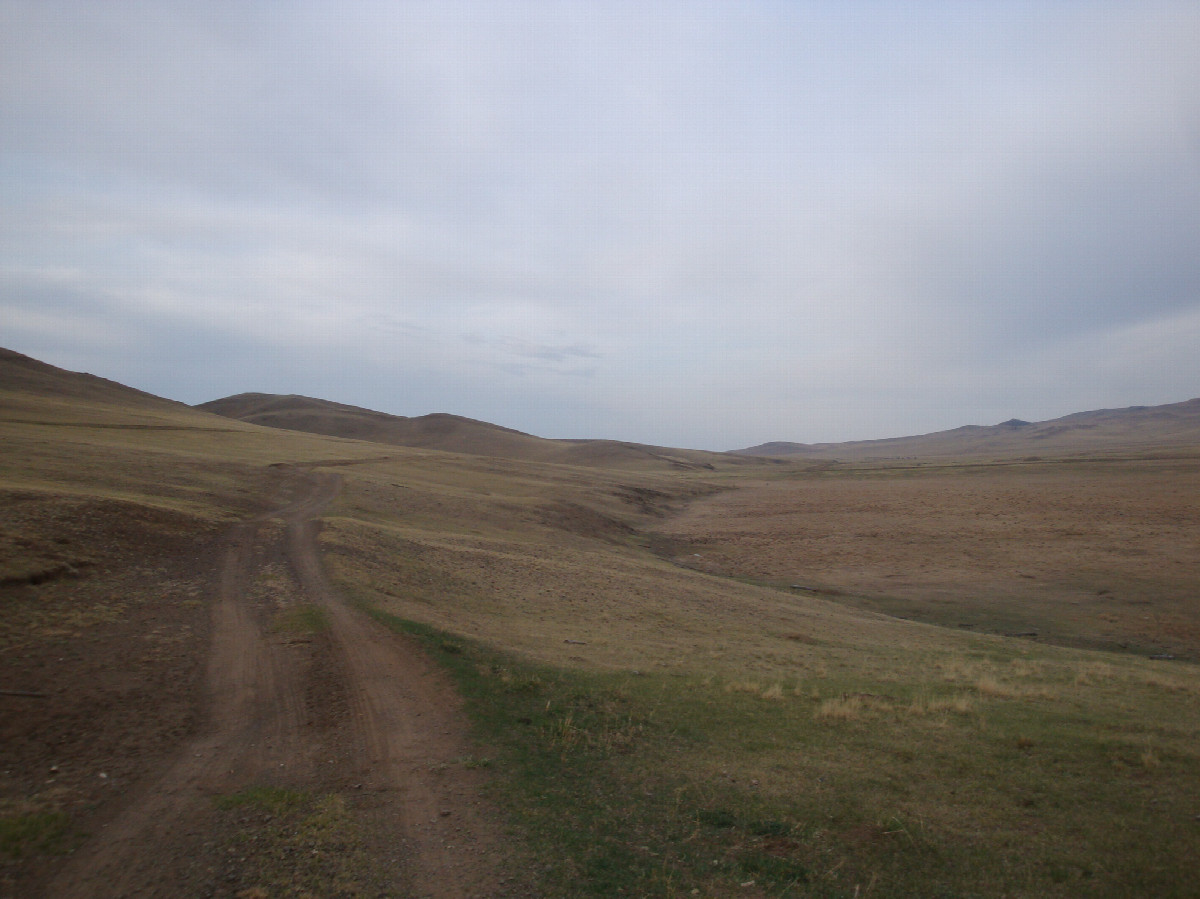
<point>405,719</point>
<point>393,750</point>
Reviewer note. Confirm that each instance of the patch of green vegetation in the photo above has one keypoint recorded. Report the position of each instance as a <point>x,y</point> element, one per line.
<point>284,842</point>
<point>275,800</point>
<point>996,775</point>
<point>304,618</point>
<point>472,763</point>
<point>34,832</point>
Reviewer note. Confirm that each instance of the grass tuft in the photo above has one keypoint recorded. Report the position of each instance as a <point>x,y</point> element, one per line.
<point>989,686</point>
<point>33,832</point>
<point>292,843</point>
<point>841,708</point>
<point>304,618</point>
<point>744,686</point>
<point>271,799</point>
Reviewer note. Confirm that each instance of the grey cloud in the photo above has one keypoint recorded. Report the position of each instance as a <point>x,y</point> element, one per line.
<point>785,221</point>
<point>543,352</point>
<point>1077,250</point>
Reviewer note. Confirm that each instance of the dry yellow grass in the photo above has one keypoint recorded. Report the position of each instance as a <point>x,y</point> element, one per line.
<point>550,564</point>
<point>842,708</point>
<point>1090,552</point>
<point>989,686</point>
<point>773,692</point>
<point>960,704</point>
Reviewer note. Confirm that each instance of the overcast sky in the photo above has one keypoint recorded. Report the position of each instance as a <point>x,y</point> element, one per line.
<point>692,224</point>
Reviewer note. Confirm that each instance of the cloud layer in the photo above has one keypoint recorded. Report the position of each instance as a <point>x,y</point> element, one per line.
<point>705,225</point>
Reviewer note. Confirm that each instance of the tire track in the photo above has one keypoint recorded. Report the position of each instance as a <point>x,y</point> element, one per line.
<point>404,733</point>
<point>407,727</point>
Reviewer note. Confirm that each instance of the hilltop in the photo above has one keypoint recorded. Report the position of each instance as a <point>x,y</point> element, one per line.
<point>441,431</point>
<point>24,379</point>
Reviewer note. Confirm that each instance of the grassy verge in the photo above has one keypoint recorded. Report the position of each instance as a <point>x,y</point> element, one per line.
<point>1003,777</point>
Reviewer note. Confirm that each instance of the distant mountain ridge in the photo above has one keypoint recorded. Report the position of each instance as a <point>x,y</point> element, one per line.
<point>1132,428</point>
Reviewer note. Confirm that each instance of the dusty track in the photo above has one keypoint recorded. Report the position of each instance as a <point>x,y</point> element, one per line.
<point>393,748</point>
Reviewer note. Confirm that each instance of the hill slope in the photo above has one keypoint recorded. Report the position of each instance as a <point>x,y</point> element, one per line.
<point>439,431</point>
<point>36,392</point>
<point>452,433</point>
<point>21,375</point>
<point>1136,428</point>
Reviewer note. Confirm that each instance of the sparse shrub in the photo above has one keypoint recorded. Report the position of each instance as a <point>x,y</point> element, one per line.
<point>843,708</point>
<point>472,763</point>
<point>745,686</point>
<point>562,735</point>
<point>989,686</point>
<point>516,683</point>
<point>960,704</point>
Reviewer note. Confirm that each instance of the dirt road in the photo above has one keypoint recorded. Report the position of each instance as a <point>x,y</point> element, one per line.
<point>355,711</point>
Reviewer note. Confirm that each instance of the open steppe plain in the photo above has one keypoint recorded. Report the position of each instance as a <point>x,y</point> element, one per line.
<point>583,681</point>
<point>1089,551</point>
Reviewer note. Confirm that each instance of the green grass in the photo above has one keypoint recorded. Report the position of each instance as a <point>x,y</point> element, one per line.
<point>34,832</point>
<point>275,800</point>
<point>658,785</point>
<point>281,842</point>
<point>304,618</point>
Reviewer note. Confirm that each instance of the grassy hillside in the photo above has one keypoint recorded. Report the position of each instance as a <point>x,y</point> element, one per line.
<point>654,725</point>
<point>453,433</point>
<point>447,432</point>
<point>697,732</point>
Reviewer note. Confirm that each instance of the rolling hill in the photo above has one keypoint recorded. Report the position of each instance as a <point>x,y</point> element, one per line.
<point>452,433</point>
<point>740,667</point>
<point>34,390</point>
<point>24,377</point>
<point>1171,426</point>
